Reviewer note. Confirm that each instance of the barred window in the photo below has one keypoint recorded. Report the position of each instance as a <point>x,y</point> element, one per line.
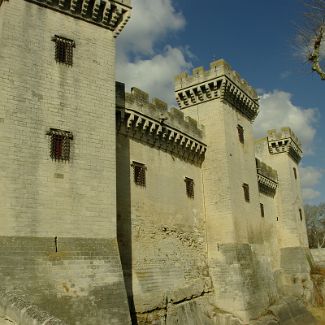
<point>60,144</point>
<point>189,183</point>
<point>246,192</point>
<point>139,173</point>
<point>262,210</point>
<point>240,130</point>
<point>63,50</point>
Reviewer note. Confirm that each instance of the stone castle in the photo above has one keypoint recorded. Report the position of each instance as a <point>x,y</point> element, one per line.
<point>117,210</point>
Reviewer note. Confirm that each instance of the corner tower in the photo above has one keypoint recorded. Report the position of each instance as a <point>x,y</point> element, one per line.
<point>283,151</point>
<point>226,105</point>
<point>57,154</point>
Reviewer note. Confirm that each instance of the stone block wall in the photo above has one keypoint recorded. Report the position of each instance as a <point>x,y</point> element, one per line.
<point>44,200</point>
<point>161,231</point>
<point>40,196</point>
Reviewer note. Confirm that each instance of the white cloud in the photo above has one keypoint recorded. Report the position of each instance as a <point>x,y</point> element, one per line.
<point>151,20</point>
<point>155,75</point>
<point>138,64</point>
<point>310,194</point>
<point>310,177</point>
<point>277,110</point>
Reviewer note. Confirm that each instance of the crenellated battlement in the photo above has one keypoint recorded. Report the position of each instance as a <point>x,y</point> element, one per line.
<point>267,178</point>
<point>110,14</point>
<point>220,81</point>
<point>152,122</point>
<point>285,141</point>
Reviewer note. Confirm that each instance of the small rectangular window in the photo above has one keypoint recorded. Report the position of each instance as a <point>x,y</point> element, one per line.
<point>189,183</point>
<point>246,192</point>
<point>60,144</point>
<point>295,172</point>
<point>63,50</point>
<point>262,209</point>
<point>300,214</point>
<point>240,133</point>
<point>139,174</point>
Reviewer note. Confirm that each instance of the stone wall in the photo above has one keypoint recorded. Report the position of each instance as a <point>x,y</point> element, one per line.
<point>58,218</point>
<point>161,231</point>
<point>319,256</point>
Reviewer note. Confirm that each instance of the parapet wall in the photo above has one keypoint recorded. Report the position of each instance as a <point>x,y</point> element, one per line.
<point>110,14</point>
<point>217,69</point>
<point>284,133</point>
<point>267,171</point>
<point>157,109</point>
<point>152,122</point>
<point>267,178</point>
<point>218,82</point>
<point>284,141</point>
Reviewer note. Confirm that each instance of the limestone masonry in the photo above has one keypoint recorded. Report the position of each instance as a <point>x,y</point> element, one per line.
<point>116,209</point>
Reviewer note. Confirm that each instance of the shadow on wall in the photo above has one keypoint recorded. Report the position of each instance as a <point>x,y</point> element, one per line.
<point>123,193</point>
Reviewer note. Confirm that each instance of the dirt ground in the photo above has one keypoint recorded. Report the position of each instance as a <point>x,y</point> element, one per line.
<point>319,314</point>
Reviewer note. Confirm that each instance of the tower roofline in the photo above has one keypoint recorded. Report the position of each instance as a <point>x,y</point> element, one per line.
<point>220,81</point>
<point>285,141</point>
<point>217,69</point>
<point>109,14</point>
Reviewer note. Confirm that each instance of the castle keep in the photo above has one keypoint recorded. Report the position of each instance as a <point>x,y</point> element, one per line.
<point>116,209</point>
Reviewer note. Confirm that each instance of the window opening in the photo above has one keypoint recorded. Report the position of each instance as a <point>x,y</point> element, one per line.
<point>295,172</point>
<point>139,174</point>
<point>241,133</point>
<point>63,50</point>
<point>189,183</point>
<point>262,209</point>
<point>60,144</point>
<point>300,214</point>
<point>246,192</point>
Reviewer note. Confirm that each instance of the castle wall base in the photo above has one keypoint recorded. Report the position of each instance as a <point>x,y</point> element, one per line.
<point>81,283</point>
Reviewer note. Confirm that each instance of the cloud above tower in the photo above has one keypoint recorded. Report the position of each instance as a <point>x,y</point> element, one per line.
<point>144,58</point>
<point>277,110</point>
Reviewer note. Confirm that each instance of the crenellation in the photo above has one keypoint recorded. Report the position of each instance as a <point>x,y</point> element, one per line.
<point>157,110</point>
<point>156,218</point>
<point>109,14</point>
<point>267,178</point>
<point>285,141</point>
<point>152,122</point>
<point>218,82</point>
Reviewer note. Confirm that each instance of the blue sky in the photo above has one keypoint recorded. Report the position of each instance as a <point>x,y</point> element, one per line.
<point>257,38</point>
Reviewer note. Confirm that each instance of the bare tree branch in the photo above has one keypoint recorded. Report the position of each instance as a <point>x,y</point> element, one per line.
<point>311,36</point>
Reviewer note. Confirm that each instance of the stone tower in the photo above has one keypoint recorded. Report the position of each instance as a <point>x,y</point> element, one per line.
<point>226,105</point>
<point>285,153</point>
<point>282,150</point>
<point>58,164</point>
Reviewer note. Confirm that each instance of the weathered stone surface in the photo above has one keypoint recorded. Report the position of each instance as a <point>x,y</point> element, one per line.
<point>84,241</point>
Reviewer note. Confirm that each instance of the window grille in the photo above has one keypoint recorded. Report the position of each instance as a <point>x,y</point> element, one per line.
<point>60,144</point>
<point>63,50</point>
<point>300,214</point>
<point>139,174</point>
<point>262,210</point>
<point>189,183</point>
<point>295,172</point>
<point>246,192</point>
<point>240,130</point>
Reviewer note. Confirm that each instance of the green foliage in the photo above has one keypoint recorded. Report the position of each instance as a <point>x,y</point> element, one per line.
<point>315,220</point>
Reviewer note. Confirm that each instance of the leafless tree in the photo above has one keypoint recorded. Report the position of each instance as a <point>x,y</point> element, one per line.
<point>311,36</point>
